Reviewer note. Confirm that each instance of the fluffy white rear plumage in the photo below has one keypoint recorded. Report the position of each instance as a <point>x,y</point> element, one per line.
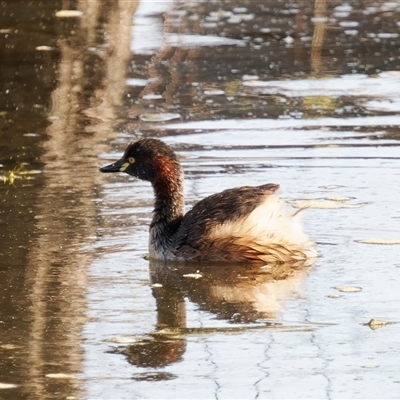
<point>270,226</point>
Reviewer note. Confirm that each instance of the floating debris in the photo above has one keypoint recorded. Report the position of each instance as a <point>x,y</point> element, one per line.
<point>288,40</point>
<point>379,241</point>
<point>7,385</point>
<point>159,117</point>
<point>339,198</point>
<point>371,366</point>
<point>375,324</point>
<point>59,376</point>
<point>334,296</point>
<point>44,48</point>
<point>351,32</point>
<point>156,285</point>
<point>214,92</point>
<point>220,14</point>
<point>348,289</point>
<point>177,333</point>
<point>9,346</point>
<point>240,10</point>
<point>387,35</point>
<point>122,340</point>
<point>69,14</point>
<point>250,77</point>
<point>152,96</point>
<point>349,24</point>
<point>323,204</point>
<point>331,186</point>
<point>238,18</point>
<point>193,276</point>
<point>137,82</point>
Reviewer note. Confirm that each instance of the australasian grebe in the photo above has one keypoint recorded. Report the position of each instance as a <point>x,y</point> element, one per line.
<point>248,224</point>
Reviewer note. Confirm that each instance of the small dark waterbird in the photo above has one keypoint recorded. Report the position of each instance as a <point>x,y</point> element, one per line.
<point>248,224</point>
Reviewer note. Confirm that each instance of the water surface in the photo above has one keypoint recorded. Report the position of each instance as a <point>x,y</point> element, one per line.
<point>303,94</point>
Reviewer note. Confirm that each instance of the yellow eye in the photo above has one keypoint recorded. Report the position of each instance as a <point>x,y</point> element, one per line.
<point>131,160</point>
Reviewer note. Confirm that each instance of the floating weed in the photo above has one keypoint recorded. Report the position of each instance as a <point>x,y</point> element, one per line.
<point>322,103</point>
<point>18,172</point>
<point>9,177</point>
<point>375,324</point>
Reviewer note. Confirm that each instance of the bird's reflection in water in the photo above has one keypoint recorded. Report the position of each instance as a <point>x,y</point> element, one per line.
<point>235,293</point>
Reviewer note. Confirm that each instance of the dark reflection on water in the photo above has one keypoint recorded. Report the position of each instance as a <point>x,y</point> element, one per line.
<point>153,376</point>
<point>155,353</point>
<point>239,294</point>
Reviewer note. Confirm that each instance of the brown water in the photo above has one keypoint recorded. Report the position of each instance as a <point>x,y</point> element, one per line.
<point>304,94</point>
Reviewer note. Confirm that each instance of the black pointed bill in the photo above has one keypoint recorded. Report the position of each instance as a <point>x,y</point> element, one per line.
<point>118,166</point>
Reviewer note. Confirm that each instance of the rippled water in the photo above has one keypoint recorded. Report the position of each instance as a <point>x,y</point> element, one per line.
<point>303,94</point>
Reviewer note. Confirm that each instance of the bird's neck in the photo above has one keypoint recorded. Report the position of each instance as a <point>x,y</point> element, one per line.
<point>169,198</point>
